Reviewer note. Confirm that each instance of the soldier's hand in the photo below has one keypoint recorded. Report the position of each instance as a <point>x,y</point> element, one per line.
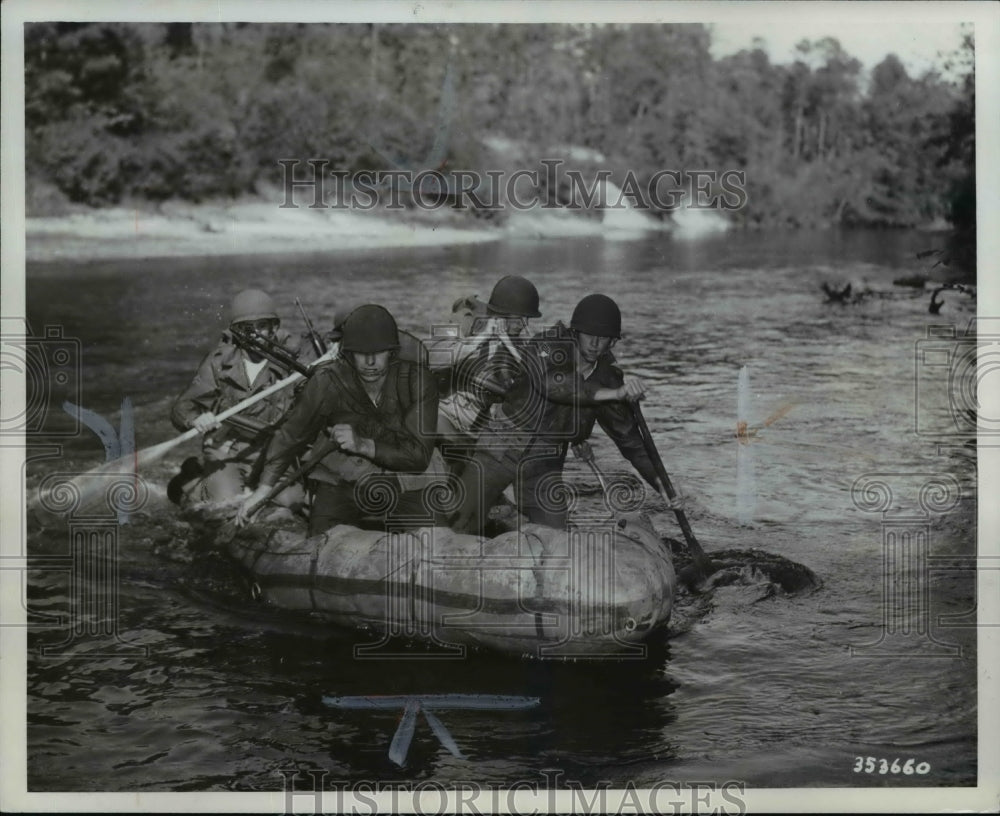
<point>250,505</point>
<point>678,502</point>
<point>633,389</point>
<point>508,341</point>
<point>582,450</point>
<point>203,423</point>
<point>344,436</point>
<point>217,453</point>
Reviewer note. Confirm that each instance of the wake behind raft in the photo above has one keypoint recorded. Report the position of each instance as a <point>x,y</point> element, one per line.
<point>535,591</point>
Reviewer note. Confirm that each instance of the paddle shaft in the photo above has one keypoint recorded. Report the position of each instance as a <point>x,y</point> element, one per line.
<point>154,452</point>
<point>191,433</point>
<point>91,489</point>
<point>697,553</point>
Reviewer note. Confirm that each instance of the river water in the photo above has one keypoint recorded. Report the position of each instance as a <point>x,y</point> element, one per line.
<point>201,690</point>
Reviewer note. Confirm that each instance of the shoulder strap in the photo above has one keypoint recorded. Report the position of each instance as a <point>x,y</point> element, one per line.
<point>407,384</point>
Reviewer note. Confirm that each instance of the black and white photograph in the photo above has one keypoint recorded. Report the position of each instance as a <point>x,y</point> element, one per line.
<point>500,407</point>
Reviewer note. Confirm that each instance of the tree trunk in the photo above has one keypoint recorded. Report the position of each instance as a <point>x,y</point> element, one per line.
<point>797,140</point>
<point>373,58</point>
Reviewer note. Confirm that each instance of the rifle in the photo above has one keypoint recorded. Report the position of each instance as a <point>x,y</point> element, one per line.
<point>319,346</point>
<point>271,349</point>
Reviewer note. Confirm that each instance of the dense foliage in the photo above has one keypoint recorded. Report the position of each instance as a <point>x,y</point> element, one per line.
<point>187,111</point>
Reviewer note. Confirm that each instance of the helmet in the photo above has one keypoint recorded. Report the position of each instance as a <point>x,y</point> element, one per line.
<point>514,296</point>
<point>340,314</point>
<point>252,304</point>
<point>598,315</point>
<point>369,329</point>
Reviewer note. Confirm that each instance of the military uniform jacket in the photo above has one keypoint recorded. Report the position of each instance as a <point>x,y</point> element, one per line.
<point>472,372</point>
<point>221,382</point>
<point>402,425</point>
<point>554,403</point>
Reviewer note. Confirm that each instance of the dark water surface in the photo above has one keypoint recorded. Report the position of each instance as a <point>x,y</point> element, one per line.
<point>205,691</point>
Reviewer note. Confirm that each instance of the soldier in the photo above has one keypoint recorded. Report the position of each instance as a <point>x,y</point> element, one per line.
<point>479,363</point>
<point>569,382</point>
<point>231,372</point>
<point>377,413</point>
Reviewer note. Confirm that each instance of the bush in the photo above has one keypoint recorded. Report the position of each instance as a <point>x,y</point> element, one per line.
<point>82,160</point>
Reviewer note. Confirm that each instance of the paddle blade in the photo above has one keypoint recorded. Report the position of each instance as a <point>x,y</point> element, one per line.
<point>114,487</point>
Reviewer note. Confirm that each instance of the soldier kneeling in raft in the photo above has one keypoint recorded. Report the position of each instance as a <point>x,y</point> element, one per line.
<point>478,362</point>
<point>568,383</point>
<point>233,452</point>
<point>378,414</point>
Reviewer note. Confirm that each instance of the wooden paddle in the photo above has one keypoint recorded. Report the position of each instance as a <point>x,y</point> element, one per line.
<point>92,489</point>
<point>698,558</point>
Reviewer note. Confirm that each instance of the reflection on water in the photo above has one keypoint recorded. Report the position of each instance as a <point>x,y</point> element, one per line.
<point>225,696</point>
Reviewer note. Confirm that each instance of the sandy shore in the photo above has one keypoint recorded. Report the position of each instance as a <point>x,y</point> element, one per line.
<point>260,226</point>
<point>235,229</point>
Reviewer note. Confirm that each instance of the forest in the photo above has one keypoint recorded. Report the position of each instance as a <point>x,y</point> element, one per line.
<point>123,112</point>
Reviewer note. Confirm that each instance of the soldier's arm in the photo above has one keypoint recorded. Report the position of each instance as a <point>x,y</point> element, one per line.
<point>300,427</point>
<point>200,396</point>
<point>606,386</point>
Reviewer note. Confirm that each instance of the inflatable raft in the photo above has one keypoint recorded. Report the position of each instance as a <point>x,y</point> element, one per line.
<point>538,592</point>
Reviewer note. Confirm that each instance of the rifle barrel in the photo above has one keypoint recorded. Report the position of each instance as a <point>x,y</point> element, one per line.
<point>271,349</point>
<point>314,336</point>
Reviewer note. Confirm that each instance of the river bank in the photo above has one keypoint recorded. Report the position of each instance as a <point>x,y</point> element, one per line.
<point>260,225</point>
<point>237,228</point>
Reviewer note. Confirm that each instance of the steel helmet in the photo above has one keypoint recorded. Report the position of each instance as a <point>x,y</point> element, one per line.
<point>340,314</point>
<point>369,329</point>
<point>252,304</point>
<point>514,296</point>
<point>598,315</point>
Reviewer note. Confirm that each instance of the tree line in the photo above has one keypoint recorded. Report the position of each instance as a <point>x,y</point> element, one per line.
<point>195,111</point>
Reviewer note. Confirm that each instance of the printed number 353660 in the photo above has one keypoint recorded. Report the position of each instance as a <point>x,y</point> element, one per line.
<point>883,766</point>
